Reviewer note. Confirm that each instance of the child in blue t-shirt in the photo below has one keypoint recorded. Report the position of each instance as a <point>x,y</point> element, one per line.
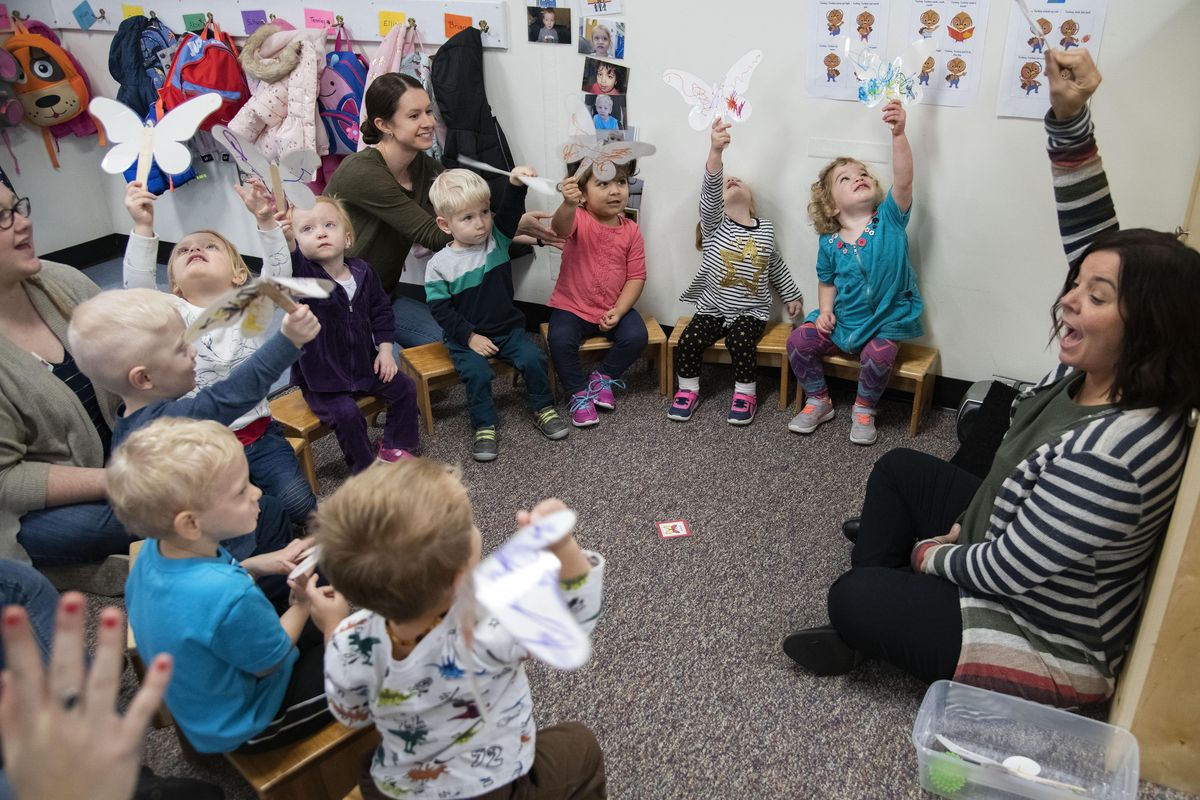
<point>246,678</point>
<point>867,295</point>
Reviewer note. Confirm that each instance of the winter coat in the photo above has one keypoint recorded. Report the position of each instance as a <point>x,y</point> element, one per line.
<point>281,114</point>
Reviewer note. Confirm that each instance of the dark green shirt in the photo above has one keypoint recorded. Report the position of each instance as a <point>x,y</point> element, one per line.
<point>387,218</point>
<point>1045,416</point>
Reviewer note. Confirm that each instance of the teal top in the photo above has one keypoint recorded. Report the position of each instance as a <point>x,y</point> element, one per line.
<point>877,293</point>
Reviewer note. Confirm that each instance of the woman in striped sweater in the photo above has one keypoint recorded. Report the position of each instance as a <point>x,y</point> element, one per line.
<point>1036,587</point>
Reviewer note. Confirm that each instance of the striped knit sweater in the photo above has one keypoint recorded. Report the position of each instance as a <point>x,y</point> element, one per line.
<point>1050,597</point>
<point>737,263</point>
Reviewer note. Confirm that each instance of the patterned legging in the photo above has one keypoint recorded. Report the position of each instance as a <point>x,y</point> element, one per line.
<point>805,347</point>
<point>741,338</point>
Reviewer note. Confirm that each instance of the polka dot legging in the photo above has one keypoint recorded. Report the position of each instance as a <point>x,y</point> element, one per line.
<point>741,338</point>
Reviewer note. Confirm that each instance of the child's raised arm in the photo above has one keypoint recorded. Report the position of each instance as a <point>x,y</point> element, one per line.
<point>712,198</point>
<point>563,222</point>
<point>139,269</point>
<point>718,141</point>
<point>902,160</point>
<point>258,202</point>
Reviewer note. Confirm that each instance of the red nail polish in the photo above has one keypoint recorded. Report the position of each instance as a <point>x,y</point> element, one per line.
<point>12,616</point>
<point>162,665</point>
<point>71,606</point>
<point>110,621</point>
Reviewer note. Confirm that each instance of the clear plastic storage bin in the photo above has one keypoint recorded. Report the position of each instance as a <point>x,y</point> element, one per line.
<point>1058,755</point>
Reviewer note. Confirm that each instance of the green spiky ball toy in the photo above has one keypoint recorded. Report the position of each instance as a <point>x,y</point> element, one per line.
<point>947,775</point>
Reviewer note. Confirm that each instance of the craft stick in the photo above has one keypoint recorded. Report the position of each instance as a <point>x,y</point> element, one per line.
<point>1034,28</point>
<point>280,297</point>
<point>145,154</point>
<point>277,188</point>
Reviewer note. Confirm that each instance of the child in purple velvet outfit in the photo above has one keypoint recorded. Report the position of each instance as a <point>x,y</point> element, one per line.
<point>352,356</point>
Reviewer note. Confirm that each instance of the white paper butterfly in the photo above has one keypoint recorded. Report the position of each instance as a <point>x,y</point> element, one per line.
<point>590,149</point>
<point>895,80</point>
<point>293,172</point>
<point>519,585</point>
<point>162,140</point>
<point>712,101</point>
<point>253,304</point>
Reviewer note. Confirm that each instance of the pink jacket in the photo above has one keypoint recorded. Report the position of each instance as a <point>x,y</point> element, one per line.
<point>281,114</point>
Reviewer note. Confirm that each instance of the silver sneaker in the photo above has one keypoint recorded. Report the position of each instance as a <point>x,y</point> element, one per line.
<point>862,426</point>
<point>815,412</point>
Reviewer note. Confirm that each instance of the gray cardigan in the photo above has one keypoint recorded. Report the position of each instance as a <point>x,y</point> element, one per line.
<point>42,422</point>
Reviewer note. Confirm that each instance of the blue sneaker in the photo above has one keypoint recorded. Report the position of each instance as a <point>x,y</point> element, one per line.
<point>741,411</point>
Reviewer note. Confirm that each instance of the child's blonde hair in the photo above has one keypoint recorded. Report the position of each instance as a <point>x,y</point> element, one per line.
<point>118,330</point>
<point>338,209</point>
<point>753,213</point>
<point>241,273</point>
<point>396,536</point>
<point>457,189</point>
<point>170,466</point>
<point>821,209</point>
<point>600,27</point>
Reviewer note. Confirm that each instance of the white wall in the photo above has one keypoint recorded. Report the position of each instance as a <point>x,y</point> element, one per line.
<point>983,235</point>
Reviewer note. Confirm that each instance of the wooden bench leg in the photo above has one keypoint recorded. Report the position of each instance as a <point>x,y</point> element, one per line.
<point>670,369</point>
<point>784,374</point>
<point>919,402</point>
<point>664,382</point>
<point>303,451</point>
<point>424,403</point>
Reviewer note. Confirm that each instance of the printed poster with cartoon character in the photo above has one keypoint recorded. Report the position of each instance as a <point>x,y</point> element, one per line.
<point>952,75</point>
<point>864,21</point>
<point>1023,90</point>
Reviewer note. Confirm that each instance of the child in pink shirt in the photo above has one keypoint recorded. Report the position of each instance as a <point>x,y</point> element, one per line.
<point>603,272</point>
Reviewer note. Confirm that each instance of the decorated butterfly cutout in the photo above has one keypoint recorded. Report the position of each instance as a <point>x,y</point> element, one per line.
<point>289,178</point>
<point>895,80</point>
<point>253,304</point>
<point>145,141</point>
<point>592,150</point>
<point>726,99</point>
<point>518,584</point>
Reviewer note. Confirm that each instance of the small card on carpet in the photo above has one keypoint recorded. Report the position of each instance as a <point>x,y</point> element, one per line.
<point>674,529</point>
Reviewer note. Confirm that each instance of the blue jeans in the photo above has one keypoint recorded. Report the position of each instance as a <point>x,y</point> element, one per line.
<point>275,470</point>
<point>22,585</point>
<point>476,374</point>
<point>567,332</point>
<point>83,532</point>
<point>415,325</point>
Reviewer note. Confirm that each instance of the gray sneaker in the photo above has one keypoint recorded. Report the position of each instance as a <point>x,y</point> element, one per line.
<point>551,424</point>
<point>815,412</point>
<point>862,426</point>
<point>485,447</point>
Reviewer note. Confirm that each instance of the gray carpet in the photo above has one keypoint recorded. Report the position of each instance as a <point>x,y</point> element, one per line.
<point>688,690</point>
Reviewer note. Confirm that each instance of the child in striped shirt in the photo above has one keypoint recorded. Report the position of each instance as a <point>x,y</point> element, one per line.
<point>731,289</point>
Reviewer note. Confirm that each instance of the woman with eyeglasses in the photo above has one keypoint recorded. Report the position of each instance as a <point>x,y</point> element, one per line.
<point>54,425</point>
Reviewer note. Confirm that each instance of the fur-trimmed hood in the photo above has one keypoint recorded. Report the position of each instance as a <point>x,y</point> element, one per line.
<point>271,54</point>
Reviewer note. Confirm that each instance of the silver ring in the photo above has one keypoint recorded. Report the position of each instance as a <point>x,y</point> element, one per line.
<point>69,699</point>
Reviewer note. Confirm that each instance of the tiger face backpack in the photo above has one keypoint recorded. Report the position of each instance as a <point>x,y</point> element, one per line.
<point>51,85</point>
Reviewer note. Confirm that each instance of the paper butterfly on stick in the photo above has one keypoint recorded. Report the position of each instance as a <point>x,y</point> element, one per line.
<point>897,80</point>
<point>144,142</point>
<point>253,304</point>
<point>710,101</point>
<point>288,178</point>
<point>519,585</point>
<point>592,150</point>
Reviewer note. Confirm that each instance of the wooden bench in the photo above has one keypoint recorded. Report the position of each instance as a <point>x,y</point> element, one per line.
<point>304,455</point>
<point>656,351</point>
<point>772,352</point>
<point>299,422</point>
<point>914,372</point>
<point>430,368</point>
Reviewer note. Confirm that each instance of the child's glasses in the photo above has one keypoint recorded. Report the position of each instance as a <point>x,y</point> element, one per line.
<point>21,207</point>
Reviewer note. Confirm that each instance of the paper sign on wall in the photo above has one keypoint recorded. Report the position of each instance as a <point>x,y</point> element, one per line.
<point>602,6</point>
<point>253,20</point>
<point>456,23</point>
<point>318,18</point>
<point>389,20</point>
<point>194,22</point>
<point>128,11</point>
<point>84,15</point>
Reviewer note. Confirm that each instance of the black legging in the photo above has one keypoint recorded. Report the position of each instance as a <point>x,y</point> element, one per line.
<point>880,607</point>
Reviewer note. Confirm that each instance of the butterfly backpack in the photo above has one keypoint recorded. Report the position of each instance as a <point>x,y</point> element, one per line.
<point>51,85</point>
<point>206,62</point>
<point>342,85</point>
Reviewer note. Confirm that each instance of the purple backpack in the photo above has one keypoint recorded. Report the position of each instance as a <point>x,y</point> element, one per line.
<point>340,90</point>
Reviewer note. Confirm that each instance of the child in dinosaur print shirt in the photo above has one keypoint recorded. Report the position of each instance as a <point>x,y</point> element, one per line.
<point>407,665</point>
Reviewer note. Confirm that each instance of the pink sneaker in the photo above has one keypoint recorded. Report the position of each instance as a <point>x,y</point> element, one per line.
<point>583,409</point>
<point>602,386</point>
<point>390,455</point>
<point>741,411</point>
<point>683,405</point>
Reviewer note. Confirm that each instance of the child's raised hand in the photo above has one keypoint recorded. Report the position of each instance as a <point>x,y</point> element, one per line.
<point>385,363</point>
<point>825,322</point>
<point>571,192</point>
<point>259,201</point>
<point>300,326</point>
<point>794,309</point>
<point>1073,80</point>
<point>516,172</point>
<point>720,137</point>
<point>895,115</point>
<point>482,345</point>
<point>140,204</point>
